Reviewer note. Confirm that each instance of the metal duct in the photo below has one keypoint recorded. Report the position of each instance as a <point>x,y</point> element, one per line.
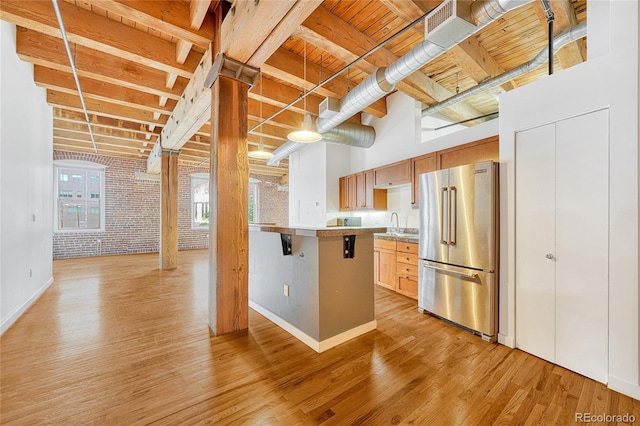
<point>383,81</point>
<point>352,134</point>
<point>364,94</point>
<point>566,37</point>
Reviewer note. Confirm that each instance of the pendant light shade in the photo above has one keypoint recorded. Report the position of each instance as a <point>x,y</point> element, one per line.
<point>307,134</point>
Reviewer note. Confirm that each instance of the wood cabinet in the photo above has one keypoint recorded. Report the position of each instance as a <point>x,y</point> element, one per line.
<point>407,269</point>
<point>396,266</point>
<point>384,252</point>
<point>419,165</point>
<point>357,192</point>
<point>392,174</point>
<point>469,153</point>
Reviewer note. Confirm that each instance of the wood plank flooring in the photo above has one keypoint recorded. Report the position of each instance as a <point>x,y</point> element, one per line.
<point>117,341</point>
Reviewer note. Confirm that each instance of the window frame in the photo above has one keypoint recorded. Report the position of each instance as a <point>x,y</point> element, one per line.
<point>196,180</point>
<point>79,164</point>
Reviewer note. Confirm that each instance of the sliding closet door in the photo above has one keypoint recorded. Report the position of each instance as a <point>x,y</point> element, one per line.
<point>535,241</point>
<point>582,248</point>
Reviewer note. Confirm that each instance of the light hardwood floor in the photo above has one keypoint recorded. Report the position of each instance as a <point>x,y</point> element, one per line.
<point>116,341</point>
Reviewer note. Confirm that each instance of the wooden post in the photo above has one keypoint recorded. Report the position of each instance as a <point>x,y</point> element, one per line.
<point>229,203</point>
<point>169,211</point>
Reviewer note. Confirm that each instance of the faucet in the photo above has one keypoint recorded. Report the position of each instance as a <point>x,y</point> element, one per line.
<point>397,228</point>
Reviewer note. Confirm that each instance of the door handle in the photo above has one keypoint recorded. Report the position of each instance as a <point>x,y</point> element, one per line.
<point>437,268</point>
<point>443,197</point>
<point>549,256</point>
<point>453,215</point>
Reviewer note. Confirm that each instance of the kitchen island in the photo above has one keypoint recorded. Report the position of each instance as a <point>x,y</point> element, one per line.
<point>316,283</point>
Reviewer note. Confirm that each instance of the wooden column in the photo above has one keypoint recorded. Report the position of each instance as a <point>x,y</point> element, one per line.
<point>169,210</point>
<point>229,206</point>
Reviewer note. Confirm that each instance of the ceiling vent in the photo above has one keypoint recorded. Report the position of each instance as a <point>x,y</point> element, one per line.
<point>329,107</point>
<point>449,23</point>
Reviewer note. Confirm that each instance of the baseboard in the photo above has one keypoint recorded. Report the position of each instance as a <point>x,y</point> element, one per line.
<point>318,346</point>
<point>509,341</point>
<point>624,387</point>
<point>22,309</point>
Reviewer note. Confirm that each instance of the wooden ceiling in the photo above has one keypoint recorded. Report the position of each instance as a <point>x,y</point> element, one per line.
<point>135,58</point>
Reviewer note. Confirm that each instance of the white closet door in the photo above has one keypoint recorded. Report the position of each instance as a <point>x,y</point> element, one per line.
<point>582,222</point>
<point>535,238</point>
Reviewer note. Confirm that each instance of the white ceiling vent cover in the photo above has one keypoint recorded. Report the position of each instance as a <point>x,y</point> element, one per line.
<point>449,23</point>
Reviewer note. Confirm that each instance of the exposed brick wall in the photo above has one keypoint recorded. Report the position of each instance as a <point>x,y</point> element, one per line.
<point>132,210</point>
<point>274,203</point>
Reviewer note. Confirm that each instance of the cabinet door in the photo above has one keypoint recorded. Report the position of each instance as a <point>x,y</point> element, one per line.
<point>387,269</point>
<point>393,174</point>
<point>352,201</point>
<point>419,165</point>
<point>471,153</point>
<point>535,238</point>
<point>361,200</point>
<point>582,240</point>
<point>344,194</point>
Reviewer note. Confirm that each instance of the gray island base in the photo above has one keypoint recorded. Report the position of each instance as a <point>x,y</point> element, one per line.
<point>302,280</point>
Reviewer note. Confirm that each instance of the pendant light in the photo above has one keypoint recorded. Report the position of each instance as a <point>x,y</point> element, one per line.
<point>307,132</point>
<point>260,153</point>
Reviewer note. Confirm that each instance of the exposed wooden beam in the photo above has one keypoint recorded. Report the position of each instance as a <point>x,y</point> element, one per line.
<point>107,109</point>
<point>182,51</point>
<point>99,33</point>
<point>477,62</point>
<point>99,90</point>
<point>169,211</point>
<point>341,37</point>
<point>103,147</point>
<point>118,134</point>
<point>61,113</point>
<point>44,50</point>
<point>197,12</point>
<point>167,16</point>
<point>565,18</point>
<point>279,95</point>
<point>294,17</point>
<point>288,66</point>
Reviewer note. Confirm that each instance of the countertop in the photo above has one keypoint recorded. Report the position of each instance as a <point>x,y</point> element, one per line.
<point>404,238</point>
<point>332,231</point>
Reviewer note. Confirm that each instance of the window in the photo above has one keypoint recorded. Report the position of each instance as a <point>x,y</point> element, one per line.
<point>74,212</point>
<point>200,201</point>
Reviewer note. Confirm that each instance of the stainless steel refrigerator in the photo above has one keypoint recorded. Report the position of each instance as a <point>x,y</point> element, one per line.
<point>458,246</point>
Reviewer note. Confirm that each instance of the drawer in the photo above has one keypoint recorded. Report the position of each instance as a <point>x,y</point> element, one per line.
<point>407,269</point>
<point>384,244</point>
<point>407,258</point>
<point>407,247</point>
<point>408,286</point>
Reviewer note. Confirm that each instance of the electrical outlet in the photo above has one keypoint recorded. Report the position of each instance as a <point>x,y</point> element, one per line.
<point>286,290</point>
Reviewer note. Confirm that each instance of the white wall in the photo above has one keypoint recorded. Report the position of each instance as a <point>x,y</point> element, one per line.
<point>613,32</point>
<point>26,224</point>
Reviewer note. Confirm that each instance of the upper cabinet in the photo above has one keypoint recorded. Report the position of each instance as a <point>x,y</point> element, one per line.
<point>419,165</point>
<point>470,153</point>
<point>362,191</point>
<point>357,192</point>
<point>392,174</point>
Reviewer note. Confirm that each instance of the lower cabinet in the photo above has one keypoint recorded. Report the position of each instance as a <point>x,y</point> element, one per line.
<point>396,266</point>
<point>407,269</point>
<point>384,252</point>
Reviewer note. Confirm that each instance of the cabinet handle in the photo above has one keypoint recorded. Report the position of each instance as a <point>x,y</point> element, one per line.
<point>549,256</point>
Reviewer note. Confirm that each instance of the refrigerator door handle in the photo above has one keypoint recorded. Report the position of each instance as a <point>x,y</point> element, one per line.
<point>472,276</point>
<point>443,199</point>
<point>453,215</point>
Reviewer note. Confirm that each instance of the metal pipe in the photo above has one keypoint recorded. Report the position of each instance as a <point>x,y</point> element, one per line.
<point>74,71</point>
<point>561,40</point>
<point>550,19</point>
